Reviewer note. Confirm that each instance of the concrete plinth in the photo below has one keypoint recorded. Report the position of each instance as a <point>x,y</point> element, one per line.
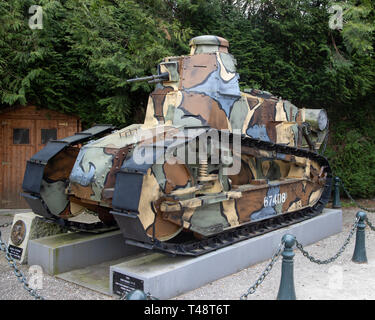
<point>104,263</point>
<point>69,251</point>
<point>165,277</point>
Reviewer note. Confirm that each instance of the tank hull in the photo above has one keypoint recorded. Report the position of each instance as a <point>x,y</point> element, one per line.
<point>193,222</point>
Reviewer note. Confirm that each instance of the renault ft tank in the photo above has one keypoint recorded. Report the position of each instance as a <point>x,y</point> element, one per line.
<point>210,165</point>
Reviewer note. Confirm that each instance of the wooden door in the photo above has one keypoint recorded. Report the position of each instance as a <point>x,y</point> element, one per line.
<point>20,139</point>
<point>53,129</point>
<point>45,130</point>
<point>66,128</point>
<point>18,145</point>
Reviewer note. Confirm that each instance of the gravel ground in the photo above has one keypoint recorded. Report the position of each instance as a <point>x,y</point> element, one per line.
<point>341,279</point>
<point>53,288</point>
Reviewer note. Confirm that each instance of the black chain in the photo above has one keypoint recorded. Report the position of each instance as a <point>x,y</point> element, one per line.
<point>6,224</point>
<point>19,274</point>
<point>265,273</point>
<point>333,258</point>
<point>355,202</point>
<point>369,224</point>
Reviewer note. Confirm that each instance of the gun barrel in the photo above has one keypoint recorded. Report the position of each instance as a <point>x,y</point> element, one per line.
<point>140,79</point>
<point>161,76</point>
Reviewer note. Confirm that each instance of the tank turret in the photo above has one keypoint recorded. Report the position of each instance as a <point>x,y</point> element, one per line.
<point>203,89</point>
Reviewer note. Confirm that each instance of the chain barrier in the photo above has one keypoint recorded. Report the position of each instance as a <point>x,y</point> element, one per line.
<point>371,226</point>
<point>265,273</point>
<point>6,224</point>
<point>19,274</point>
<point>333,258</point>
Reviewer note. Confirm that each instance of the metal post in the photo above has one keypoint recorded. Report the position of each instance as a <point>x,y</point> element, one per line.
<point>136,295</point>
<point>359,255</point>
<point>286,290</point>
<point>336,194</point>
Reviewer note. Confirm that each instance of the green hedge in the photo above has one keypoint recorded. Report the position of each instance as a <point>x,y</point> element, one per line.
<point>352,158</point>
<point>79,62</point>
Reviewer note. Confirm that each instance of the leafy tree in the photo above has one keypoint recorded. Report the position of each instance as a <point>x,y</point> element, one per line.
<point>79,62</point>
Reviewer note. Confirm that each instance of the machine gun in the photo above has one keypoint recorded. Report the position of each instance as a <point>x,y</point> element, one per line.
<point>152,79</point>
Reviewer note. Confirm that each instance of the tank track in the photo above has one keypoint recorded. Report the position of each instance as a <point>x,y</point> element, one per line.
<point>34,175</point>
<point>195,247</point>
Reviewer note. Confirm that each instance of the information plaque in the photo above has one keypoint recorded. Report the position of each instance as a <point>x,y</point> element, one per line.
<point>15,252</point>
<point>122,283</point>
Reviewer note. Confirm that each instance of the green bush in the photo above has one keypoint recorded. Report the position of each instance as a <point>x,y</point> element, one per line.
<point>352,158</point>
<point>79,62</point>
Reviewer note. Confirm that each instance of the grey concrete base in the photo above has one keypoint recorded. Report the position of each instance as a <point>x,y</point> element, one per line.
<point>65,252</point>
<point>166,277</point>
<point>95,277</point>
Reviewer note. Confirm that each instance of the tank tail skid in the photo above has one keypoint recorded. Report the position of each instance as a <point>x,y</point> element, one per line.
<point>35,169</point>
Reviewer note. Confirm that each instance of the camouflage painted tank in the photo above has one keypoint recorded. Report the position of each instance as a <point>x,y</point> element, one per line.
<point>210,165</point>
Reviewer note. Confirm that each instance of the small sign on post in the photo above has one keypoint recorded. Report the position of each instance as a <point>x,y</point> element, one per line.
<point>123,284</point>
